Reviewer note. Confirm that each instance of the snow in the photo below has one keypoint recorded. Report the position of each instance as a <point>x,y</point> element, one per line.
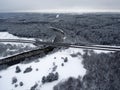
<point>22,47</point>
<point>114,46</point>
<point>7,35</point>
<point>57,16</point>
<point>72,68</point>
<point>101,51</point>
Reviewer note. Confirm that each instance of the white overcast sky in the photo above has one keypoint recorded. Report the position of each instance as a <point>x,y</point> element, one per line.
<point>68,5</point>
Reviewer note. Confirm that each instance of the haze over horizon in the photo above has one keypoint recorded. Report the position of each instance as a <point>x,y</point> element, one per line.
<point>59,5</point>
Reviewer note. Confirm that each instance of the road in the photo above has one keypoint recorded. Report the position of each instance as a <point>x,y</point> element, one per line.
<point>50,46</point>
<point>94,47</point>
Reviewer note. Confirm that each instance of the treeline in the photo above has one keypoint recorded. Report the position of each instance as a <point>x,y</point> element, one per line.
<point>93,28</point>
<point>8,49</point>
<point>103,73</point>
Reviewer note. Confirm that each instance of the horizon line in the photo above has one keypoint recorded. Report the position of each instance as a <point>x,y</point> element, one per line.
<point>64,11</point>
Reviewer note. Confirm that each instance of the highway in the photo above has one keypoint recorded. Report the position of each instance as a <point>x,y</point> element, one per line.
<point>57,44</point>
<point>49,46</point>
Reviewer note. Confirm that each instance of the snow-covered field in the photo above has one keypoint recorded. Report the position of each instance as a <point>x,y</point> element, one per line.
<point>73,67</point>
<point>6,35</point>
<point>67,62</point>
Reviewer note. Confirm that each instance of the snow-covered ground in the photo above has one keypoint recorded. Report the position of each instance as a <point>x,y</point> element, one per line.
<point>42,67</point>
<point>67,62</point>
<point>11,48</point>
<point>73,67</point>
<point>57,16</point>
<point>6,35</point>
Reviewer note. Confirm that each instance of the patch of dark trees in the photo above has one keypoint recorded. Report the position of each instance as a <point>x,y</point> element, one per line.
<point>70,84</point>
<point>103,73</point>
<point>28,69</point>
<point>34,87</point>
<point>50,78</point>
